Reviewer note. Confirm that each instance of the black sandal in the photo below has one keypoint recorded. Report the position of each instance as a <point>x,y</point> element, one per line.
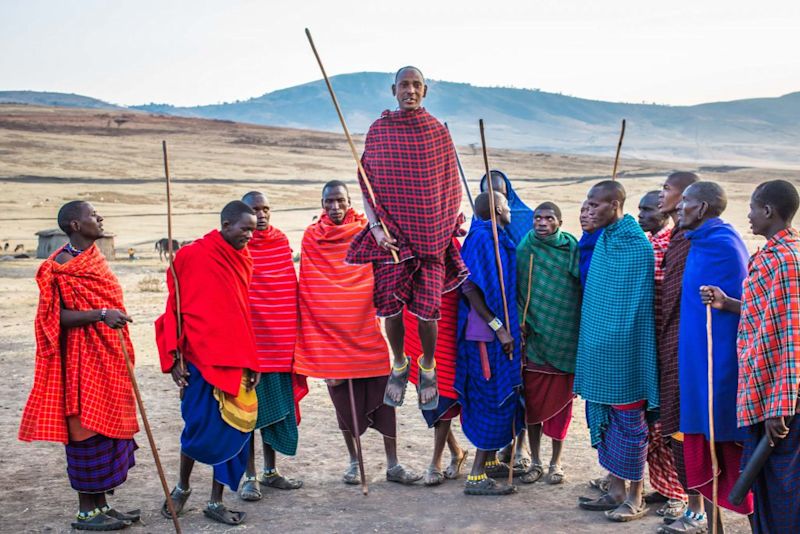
<point>220,513</point>
<point>179,497</point>
<point>602,504</point>
<point>278,481</point>
<point>133,516</point>
<point>487,486</point>
<point>249,490</point>
<point>398,377</point>
<point>97,521</point>
<point>427,380</point>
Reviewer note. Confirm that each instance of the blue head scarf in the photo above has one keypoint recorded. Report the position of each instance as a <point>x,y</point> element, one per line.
<point>521,214</point>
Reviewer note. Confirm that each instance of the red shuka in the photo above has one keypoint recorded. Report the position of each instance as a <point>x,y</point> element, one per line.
<point>339,336</point>
<point>273,306</point>
<point>93,382</point>
<point>215,312</point>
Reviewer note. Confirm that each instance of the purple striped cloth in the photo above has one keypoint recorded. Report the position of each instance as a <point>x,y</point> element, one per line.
<point>99,464</point>
<point>623,450</point>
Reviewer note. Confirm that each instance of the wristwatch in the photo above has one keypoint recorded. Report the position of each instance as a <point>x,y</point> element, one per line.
<point>495,324</point>
<point>373,225</point>
<point>103,313</point>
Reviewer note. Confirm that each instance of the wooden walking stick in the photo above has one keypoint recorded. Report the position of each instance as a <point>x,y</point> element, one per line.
<point>149,433</point>
<point>361,170</point>
<point>496,240</point>
<point>171,255</point>
<point>712,444</point>
<point>619,147</point>
<point>357,438</point>
<point>463,176</point>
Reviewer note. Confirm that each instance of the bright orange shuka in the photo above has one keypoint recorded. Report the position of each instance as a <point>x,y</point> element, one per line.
<point>339,335</point>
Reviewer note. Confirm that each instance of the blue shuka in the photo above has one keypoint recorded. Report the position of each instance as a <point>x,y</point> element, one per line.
<point>586,247</point>
<point>521,215</point>
<point>489,408</point>
<point>718,257</point>
<point>616,362</point>
<point>208,439</point>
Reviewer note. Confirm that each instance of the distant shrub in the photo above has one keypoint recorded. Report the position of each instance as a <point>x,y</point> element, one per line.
<point>151,284</point>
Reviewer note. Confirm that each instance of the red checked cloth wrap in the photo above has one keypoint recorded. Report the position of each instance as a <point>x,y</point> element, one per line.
<point>339,335</point>
<point>273,306</point>
<point>411,164</point>
<point>94,381</point>
<point>215,310</point>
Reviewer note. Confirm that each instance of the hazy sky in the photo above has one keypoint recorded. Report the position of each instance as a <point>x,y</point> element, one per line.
<point>200,52</point>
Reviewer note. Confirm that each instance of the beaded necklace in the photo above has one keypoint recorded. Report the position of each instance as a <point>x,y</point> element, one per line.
<point>72,251</point>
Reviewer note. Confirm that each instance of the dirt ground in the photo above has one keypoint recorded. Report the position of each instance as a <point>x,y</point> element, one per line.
<point>50,156</point>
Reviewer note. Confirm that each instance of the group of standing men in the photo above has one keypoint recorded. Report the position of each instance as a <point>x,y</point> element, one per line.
<point>503,331</point>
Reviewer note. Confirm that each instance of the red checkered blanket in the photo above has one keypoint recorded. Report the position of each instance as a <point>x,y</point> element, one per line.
<point>93,381</point>
<point>411,164</point>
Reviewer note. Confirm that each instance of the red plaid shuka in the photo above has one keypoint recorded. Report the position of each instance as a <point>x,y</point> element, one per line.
<point>667,330</point>
<point>660,242</point>
<point>769,332</point>
<point>411,164</point>
<point>93,383</point>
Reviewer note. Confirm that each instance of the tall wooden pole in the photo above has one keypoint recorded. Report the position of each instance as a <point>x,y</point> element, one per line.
<point>619,147</point>
<point>361,170</point>
<point>357,437</point>
<point>149,433</point>
<point>711,437</point>
<point>171,255</point>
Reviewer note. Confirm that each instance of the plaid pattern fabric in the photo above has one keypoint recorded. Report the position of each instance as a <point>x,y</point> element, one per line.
<point>94,381</point>
<point>411,164</point>
<point>99,464</point>
<point>623,450</point>
<point>667,330</point>
<point>276,417</point>
<point>769,333</point>
<point>777,489</point>
<point>553,319</point>
<point>616,361</point>
<point>663,474</point>
<point>660,242</point>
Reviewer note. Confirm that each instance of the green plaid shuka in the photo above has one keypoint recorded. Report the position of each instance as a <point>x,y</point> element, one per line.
<point>276,417</point>
<point>553,318</point>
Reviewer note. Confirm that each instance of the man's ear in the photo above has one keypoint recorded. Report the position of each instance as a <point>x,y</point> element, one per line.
<point>560,222</point>
<point>701,212</point>
<point>75,225</point>
<point>424,90</point>
<point>769,212</point>
<point>225,225</point>
<point>394,90</point>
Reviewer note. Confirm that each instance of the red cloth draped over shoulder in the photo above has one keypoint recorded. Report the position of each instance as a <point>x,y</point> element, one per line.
<point>273,306</point>
<point>445,342</point>
<point>339,335</point>
<point>215,311</point>
<point>411,164</point>
<point>93,382</point>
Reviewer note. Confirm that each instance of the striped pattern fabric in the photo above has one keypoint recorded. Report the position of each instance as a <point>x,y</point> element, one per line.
<point>769,332</point>
<point>273,300</point>
<point>777,489</point>
<point>410,161</point>
<point>661,465</point>
<point>94,381</point>
<point>554,314</point>
<point>616,361</point>
<point>339,334</point>
<point>240,411</point>
<point>667,331</point>
<point>99,464</point>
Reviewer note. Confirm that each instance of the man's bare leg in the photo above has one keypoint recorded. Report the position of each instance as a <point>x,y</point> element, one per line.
<point>441,435</point>
<point>251,461</point>
<point>535,441</point>
<point>558,447</point>
<point>187,464</point>
<point>396,333</point>
<point>428,334</point>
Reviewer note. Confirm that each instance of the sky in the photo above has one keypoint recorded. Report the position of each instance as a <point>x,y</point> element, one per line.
<point>196,52</point>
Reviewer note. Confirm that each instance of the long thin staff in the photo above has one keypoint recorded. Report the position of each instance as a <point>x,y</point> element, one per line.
<point>357,438</point>
<point>496,240</point>
<point>361,171</point>
<point>463,176</point>
<point>712,444</point>
<point>619,147</point>
<point>495,236</point>
<point>149,432</point>
<point>171,254</point>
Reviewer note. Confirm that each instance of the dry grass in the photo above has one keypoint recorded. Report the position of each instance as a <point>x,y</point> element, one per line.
<point>151,284</point>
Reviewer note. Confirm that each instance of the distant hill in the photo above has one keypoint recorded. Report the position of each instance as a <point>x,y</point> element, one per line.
<point>66,100</point>
<point>752,131</point>
<point>763,129</point>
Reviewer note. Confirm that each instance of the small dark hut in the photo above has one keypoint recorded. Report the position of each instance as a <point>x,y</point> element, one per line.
<point>51,240</point>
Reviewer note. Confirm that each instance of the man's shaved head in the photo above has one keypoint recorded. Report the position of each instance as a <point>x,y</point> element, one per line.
<point>682,179</point>
<point>711,193</point>
<point>609,190</point>
<point>548,206</point>
<point>71,211</point>
<point>250,196</point>
<point>781,196</point>
<point>408,67</point>
<point>483,209</point>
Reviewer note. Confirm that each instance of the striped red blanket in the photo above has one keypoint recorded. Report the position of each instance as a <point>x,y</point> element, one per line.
<point>339,334</point>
